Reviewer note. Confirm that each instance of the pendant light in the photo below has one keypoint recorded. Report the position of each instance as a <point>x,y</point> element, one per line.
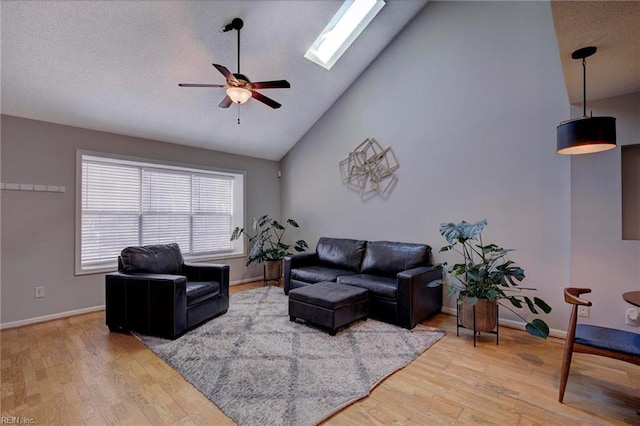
<point>586,134</point>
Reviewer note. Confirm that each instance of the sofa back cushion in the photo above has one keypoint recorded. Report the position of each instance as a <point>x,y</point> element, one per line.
<point>340,253</point>
<point>154,259</point>
<point>388,258</point>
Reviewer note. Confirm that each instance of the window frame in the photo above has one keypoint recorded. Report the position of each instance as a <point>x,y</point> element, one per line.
<point>238,248</point>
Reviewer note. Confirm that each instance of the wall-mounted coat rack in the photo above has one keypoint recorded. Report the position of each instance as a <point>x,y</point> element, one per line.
<point>32,187</point>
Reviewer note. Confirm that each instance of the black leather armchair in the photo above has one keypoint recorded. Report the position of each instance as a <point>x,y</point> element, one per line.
<point>154,292</point>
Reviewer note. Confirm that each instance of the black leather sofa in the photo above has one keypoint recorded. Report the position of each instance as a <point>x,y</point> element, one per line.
<point>396,275</point>
<point>154,292</point>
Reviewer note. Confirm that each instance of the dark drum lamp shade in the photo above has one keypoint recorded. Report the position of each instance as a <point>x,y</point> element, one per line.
<point>586,134</point>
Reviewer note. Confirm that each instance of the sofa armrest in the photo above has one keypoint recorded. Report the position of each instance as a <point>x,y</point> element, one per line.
<point>301,260</point>
<point>297,261</point>
<point>149,303</point>
<point>208,272</point>
<point>417,301</point>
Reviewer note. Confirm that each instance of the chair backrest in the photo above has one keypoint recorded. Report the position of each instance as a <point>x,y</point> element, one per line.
<point>572,296</point>
<point>152,259</point>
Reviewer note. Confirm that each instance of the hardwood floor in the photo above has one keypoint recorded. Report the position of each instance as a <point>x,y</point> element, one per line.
<point>73,371</point>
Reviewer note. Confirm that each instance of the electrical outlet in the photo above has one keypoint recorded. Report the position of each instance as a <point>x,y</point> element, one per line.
<point>632,317</point>
<point>38,292</point>
<point>583,311</point>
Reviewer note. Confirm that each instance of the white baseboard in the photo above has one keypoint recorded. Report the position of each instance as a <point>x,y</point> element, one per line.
<point>245,280</point>
<point>45,318</point>
<point>562,334</point>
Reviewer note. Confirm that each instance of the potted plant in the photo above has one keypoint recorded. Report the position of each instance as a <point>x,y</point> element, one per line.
<point>266,244</point>
<point>487,277</point>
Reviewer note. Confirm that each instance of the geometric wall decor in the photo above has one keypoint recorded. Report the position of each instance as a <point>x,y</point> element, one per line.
<point>369,168</point>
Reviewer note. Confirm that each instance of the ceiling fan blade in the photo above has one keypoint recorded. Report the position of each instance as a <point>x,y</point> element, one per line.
<point>200,85</point>
<point>275,84</point>
<point>267,101</point>
<point>226,102</point>
<point>224,71</point>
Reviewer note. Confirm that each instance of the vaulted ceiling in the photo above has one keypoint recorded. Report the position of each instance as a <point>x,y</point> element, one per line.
<point>115,66</point>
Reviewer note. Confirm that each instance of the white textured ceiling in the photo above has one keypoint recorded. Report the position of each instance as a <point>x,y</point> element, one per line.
<point>115,66</point>
<point>611,26</point>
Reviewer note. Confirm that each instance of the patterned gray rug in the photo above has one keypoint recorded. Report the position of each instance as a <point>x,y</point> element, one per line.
<point>262,369</point>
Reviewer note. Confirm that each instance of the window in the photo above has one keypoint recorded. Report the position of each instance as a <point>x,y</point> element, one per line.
<point>345,26</point>
<point>124,202</point>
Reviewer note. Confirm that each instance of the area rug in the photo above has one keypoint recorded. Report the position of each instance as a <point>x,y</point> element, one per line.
<point>262,369</point>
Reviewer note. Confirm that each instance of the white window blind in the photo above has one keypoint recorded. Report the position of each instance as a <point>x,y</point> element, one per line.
<point>110,210</point>
<point>125,203</point>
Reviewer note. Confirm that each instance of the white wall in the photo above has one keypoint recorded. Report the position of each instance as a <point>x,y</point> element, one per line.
<point>38,227</point>
<point>600,258</point>
<point>469,96</point>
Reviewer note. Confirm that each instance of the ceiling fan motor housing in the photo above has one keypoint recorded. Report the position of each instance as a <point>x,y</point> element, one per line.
<point>241,77</point>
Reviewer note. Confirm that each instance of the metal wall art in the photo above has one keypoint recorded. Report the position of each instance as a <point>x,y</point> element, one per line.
<point>369,168</point>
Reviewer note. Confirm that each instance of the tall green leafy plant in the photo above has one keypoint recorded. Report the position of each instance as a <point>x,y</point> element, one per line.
<point>485,272</point>
<point>265,238</point>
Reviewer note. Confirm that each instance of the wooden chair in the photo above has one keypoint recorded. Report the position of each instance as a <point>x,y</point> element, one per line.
<point>591,339</point>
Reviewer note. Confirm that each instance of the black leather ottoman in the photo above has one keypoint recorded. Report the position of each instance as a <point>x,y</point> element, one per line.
<point>329,305</point>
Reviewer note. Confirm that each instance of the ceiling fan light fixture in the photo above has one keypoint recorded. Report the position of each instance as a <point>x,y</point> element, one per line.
<point>238,86</point>
<point>585,135</point>
<point>238,95</point>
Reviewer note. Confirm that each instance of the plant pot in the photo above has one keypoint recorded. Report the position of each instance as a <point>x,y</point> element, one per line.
<point>272,270</point>
<point>486,314</point>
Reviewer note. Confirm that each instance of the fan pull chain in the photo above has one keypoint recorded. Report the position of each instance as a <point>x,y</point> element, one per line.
<point>238,114</point>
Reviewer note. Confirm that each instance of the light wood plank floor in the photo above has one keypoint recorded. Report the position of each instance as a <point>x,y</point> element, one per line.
<point>73,371</point>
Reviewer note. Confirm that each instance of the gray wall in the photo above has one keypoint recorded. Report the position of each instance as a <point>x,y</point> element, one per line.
<point>38,227</point>
<point>600,258</point>
<point>469,96</point>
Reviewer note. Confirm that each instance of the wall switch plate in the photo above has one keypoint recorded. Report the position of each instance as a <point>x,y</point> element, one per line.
<point>583,311</point>
<point>38,292</point>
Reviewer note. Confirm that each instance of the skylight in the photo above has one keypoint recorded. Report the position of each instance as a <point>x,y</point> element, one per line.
<point>345,26</point>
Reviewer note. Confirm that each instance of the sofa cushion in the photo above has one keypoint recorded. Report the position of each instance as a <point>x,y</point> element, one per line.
<point>153,259</point>
<point>378,286</point>
<point>198,291</point>
<point>388,258</point>
<point>316,274</point>
<point>341,253</point>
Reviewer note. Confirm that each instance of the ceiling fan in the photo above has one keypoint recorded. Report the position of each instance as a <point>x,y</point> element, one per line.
<point>239,87</point>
